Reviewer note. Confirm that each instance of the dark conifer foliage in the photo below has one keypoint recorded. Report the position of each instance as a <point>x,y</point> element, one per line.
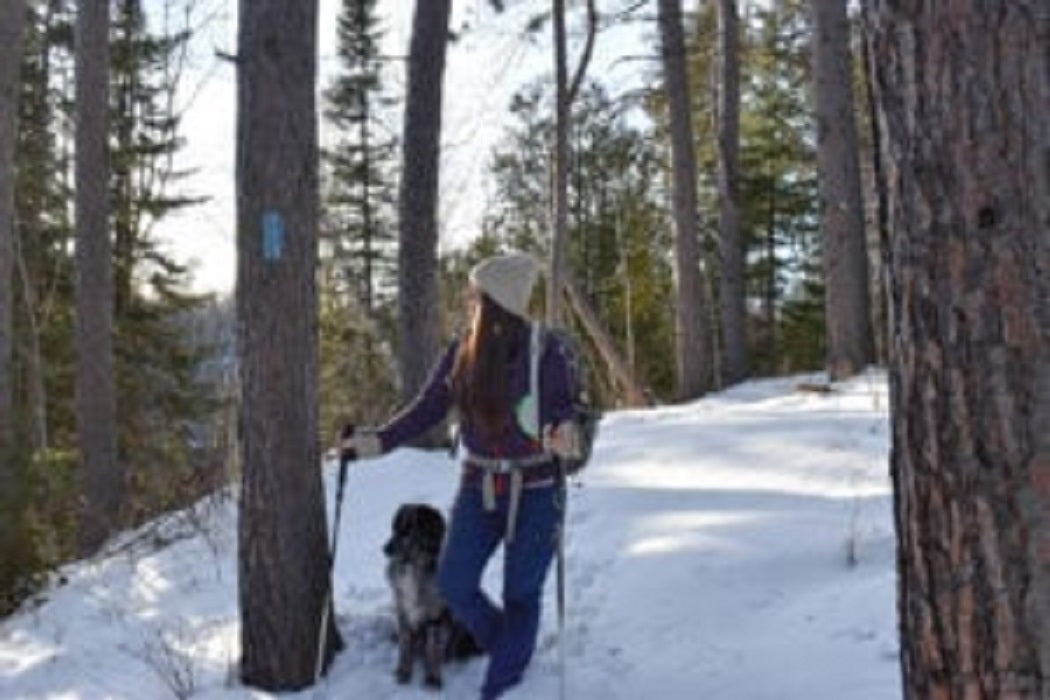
<point>358,226</point>
<point>166,397</point>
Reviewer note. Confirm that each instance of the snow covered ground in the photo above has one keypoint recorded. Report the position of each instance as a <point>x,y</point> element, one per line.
<point>708,551</point>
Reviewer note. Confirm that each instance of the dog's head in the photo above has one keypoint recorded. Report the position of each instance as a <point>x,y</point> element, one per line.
<point>417,531</point>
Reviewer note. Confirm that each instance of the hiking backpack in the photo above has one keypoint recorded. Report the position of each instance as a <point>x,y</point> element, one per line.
<point>584,414</point>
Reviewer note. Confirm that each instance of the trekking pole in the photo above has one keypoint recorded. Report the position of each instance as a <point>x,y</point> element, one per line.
<point>345,457</point>
<point>562,496</point>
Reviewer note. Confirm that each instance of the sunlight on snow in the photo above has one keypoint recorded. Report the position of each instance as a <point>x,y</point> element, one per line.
<point>677,532</point>
<point>22,652</point>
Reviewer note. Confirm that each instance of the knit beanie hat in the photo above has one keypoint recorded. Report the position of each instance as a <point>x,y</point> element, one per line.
<point>508,280</point>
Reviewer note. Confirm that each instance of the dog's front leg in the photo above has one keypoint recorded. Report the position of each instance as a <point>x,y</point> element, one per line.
<point>403,672</point>
<point>434,654</point>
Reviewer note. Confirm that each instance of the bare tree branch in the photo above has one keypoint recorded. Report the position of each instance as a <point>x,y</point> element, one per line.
<point>588,52</point>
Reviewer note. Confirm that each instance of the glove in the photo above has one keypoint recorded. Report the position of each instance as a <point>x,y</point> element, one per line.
<point>563,440</point>
<point>360,443</point>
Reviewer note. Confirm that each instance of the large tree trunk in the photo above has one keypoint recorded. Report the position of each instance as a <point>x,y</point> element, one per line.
<point>736,364</point>
<point>418,322</point>
<point>564,95</point>
<point>693,361</point>
<point>126,175</point>
<point>12,19</point>
<point>877,217</point>
<point>851,345</point>
<point>283,558</point>
<point>963,93</point>
<point>559,211</point>
<point>30,228</point>
<point>101,473</point>
<point>560,279</point>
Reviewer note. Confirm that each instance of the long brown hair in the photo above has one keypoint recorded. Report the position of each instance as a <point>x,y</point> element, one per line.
<point>480,373</point>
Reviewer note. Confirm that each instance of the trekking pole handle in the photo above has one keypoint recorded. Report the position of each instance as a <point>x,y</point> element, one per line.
<point>346,454</point>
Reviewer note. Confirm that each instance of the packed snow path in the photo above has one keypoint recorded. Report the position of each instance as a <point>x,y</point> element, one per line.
<point>708,556</point>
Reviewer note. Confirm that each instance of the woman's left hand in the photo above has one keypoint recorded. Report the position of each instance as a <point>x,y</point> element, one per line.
<point>362,443</point>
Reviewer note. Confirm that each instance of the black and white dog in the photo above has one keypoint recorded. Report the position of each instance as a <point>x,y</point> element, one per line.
<point>424,625</point>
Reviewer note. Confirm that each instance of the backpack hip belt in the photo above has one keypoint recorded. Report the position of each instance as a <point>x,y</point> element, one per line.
<point>512,467</point>
<point>505,465</point>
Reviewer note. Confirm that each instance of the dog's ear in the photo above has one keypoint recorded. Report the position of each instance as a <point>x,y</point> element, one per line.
<point>434,521</point>
<point>402,519</point>
<point>432,528</point>
<point>400,526</point>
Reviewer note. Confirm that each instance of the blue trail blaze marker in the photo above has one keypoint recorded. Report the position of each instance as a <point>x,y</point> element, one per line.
<point>273,236</point>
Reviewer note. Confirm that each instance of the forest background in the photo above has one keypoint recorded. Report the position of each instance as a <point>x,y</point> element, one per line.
<point>174,355</point>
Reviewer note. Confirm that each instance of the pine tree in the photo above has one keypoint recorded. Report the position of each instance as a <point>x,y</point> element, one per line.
<point>161,420</point>
<point>732,304</point>
<point>962,94</point>
<point>360,200</point>
<point>692,352</point>
<point>44,283</point>
<point>851,344</point>
<point>357,369</point>
<point>358,213</point>
<point>516,213</point>
<point>12,499</point>
<point>12,19</point>
<point>284,567</point>
<point>158,364</point>
<point>44,289</point>
<point>102,474</point>
<point>418,341</point>
<point>776,187</point>
<point>778,192</point>
<point>614,219</point>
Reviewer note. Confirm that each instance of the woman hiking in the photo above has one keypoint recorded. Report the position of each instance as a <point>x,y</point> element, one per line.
<point>509,488</point>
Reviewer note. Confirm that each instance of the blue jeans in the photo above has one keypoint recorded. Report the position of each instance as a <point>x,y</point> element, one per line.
<point>507,634</point>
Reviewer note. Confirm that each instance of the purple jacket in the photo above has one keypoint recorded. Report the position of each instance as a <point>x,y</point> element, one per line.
<point>435,400</point>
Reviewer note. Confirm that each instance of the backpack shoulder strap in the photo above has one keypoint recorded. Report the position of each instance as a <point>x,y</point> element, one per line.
<point>535,351</point>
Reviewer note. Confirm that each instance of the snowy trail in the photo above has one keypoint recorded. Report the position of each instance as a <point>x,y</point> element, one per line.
<point>724,567</point>
<point>706,558</point>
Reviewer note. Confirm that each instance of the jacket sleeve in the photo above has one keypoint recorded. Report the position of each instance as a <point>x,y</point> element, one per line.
<point>429,406</point>
<point>555,384</point>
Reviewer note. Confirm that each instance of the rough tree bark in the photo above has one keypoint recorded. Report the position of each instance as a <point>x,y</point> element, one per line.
<point>564,95</point>
<point>283,557</point>
<point>878,214</point>
<point>736,364</point>
<point>850,343</point>
<point>102,477</point>
<point>559,211</point>
<point>692,359</point>
<point>963,101</point>
<point>418,323</point>
<point>12,19</point>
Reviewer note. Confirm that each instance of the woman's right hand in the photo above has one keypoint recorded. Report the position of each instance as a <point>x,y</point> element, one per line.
<point>562,440</point>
